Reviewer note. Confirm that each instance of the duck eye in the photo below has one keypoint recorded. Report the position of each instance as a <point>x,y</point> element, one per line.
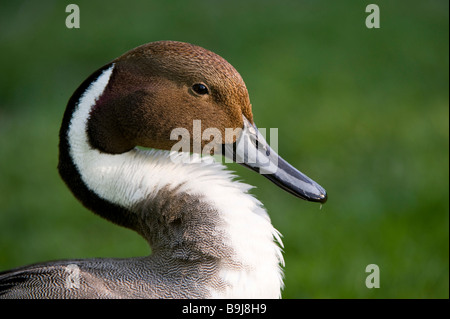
<point>200,88</point>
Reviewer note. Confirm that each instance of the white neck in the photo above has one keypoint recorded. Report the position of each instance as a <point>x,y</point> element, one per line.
<point>132,177</point>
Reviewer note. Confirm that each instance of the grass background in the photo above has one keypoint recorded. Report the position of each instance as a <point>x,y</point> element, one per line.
<point>362,111</point>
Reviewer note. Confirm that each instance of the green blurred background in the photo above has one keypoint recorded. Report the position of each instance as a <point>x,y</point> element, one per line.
<point>364,112</point>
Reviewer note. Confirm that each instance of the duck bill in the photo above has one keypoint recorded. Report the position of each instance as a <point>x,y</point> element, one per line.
<point>252,151</point>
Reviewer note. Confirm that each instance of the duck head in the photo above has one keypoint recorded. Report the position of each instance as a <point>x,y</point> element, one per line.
<point>161,86</point>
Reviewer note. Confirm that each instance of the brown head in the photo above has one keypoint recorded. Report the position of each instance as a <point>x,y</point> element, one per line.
<point>164,85</point>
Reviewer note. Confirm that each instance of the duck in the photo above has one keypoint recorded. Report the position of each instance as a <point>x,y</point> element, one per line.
<point>118,154</point>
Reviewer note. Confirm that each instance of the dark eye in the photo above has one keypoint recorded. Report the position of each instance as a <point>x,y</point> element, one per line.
<point>200,88</point>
